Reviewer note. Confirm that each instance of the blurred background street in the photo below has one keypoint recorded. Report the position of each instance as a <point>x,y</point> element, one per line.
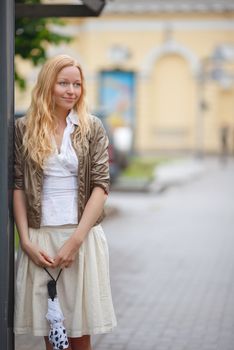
<point>172,266</point>
<point>160,76</point>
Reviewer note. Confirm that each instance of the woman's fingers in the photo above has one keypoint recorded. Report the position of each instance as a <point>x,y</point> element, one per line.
<point>47,257</point>
<point>63,261</point>
<point>38,256</point>
<point>66,254</point>
<point>59,261</point>
<point>44,263</point>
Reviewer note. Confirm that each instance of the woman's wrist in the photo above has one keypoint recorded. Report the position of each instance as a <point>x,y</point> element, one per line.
<point>78,238</point>
<point>25,243</point>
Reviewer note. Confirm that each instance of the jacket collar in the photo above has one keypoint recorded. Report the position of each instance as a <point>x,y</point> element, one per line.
<point>73,117</point>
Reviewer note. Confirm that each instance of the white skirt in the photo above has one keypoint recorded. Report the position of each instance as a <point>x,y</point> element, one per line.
<point>83,289</point>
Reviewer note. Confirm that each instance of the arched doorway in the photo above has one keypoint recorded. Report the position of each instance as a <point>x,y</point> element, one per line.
<point>168,92</point>
<point>174,104</point>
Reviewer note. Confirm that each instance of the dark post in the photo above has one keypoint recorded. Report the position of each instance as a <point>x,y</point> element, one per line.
<point>6,171</point>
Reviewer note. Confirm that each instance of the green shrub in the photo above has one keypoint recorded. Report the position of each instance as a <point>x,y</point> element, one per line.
<point>142,167</point>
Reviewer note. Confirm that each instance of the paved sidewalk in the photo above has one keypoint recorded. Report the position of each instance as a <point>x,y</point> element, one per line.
<point>173,266</point>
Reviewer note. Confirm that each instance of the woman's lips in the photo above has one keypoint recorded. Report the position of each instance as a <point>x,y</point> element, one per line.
<point>69,99</point>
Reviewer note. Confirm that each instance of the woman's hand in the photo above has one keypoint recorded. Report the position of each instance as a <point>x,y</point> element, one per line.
<point>66,254</point>
<point>38,255</point>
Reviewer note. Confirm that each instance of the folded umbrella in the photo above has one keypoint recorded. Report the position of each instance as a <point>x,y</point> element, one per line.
<point>57,334</point>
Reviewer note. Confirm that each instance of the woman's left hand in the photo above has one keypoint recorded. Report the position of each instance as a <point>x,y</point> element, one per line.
<point>66,254</point>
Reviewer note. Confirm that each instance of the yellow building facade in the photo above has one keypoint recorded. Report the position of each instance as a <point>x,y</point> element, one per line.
<point>181,62</point>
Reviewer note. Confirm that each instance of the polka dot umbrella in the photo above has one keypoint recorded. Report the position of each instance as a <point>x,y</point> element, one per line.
<point>57,334</point>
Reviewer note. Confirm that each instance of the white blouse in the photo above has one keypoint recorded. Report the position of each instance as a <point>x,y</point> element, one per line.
<point>60,181</point>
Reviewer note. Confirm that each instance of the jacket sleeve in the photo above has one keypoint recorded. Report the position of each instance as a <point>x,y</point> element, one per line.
<point>100,176</point>
<point>18,158</point>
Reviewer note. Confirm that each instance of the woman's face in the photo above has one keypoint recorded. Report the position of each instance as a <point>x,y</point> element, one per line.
<point>67,88</point>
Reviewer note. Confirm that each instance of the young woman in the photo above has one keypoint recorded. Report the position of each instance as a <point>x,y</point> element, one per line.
<point>61,184</point>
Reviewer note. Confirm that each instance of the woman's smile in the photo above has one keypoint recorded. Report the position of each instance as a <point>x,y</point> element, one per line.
<point>69,99</point>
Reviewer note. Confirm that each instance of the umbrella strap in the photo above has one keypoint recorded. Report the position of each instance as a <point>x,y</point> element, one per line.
<point>52,276</point>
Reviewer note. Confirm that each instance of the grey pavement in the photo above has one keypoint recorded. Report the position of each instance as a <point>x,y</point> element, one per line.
<point>172,266</point>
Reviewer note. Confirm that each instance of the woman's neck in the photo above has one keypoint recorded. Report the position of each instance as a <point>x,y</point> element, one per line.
<point>61,115</point>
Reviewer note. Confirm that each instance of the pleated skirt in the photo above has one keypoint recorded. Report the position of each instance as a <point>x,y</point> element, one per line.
<point>83,289</point>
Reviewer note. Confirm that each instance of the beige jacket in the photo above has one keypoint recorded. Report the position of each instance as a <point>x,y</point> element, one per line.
<point>93,171</point>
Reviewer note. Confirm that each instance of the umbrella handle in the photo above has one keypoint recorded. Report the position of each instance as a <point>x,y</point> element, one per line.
<point>52,291</point>
<point>51,285</point>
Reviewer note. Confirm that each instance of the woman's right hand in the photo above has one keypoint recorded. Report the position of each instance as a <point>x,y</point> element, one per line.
<point>37,255</point>
<point>34,252</point>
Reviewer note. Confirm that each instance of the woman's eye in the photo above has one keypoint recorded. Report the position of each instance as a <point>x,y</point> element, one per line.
<point>76,85</point>
<point>63,83</point>
<point>66,84</point>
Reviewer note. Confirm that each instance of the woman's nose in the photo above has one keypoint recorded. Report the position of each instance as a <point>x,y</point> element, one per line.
<point>71,88</point>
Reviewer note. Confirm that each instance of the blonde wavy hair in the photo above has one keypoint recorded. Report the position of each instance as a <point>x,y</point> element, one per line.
<point>40,118</point>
